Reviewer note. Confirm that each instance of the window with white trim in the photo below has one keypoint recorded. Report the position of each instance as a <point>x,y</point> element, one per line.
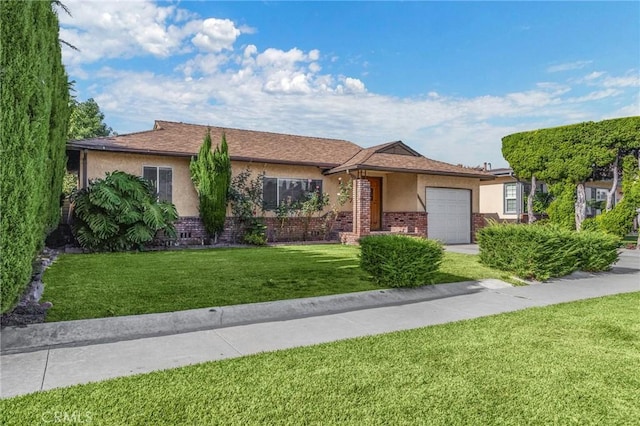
<point>162,179</point>
<point>278,191</point>
<point>511,198</point>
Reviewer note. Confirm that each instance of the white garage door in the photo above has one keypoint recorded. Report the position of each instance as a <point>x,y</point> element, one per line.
<point>449,215</point>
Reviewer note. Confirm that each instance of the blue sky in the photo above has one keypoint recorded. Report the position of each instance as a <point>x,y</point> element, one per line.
<point>448,78</point>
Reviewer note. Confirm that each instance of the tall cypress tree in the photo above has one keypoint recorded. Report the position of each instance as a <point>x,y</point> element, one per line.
<point>211,176</point>
<point>34,113</point>
<point>221,183</point>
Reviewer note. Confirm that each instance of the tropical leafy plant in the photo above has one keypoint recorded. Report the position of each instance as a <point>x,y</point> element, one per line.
<point>120,212</point>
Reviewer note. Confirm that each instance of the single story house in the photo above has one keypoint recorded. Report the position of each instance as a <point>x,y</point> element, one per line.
<point>395,189</point>
<point>504,198</point>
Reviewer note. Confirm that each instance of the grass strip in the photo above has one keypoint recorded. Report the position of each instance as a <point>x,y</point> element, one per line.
<point>575,363</point>
<point>83,286</point>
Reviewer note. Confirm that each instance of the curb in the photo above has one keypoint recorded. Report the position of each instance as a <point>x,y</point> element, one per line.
<point>35,337</point>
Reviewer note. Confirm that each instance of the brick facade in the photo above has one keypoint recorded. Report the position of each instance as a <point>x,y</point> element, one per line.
<point>190,230</point>
<point>405,222</point>
<point>361,216</point>
<point>477,222</point>
<point>348,227</point>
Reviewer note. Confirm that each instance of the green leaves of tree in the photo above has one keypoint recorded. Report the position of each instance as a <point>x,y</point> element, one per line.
<point>211,176</point>
<point>566,156</point>
<point>34,112</point>
<point>86,121</point>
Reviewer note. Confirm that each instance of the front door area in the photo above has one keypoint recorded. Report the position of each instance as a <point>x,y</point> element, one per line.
<point>376,203</point>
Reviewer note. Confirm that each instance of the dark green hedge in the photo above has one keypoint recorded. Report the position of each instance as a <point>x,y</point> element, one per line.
<point>400,261</point>
<point>543,251</point>
<point>34,113</point>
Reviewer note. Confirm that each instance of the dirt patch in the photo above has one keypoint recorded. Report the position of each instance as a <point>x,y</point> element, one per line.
<point>29,310</point>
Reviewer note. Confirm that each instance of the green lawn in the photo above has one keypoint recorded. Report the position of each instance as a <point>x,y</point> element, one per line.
<point>576,363</point>
<point>101,285</point>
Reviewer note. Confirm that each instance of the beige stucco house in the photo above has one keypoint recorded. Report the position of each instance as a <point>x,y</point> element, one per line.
<point>504,198</point>
<point>395,189</point>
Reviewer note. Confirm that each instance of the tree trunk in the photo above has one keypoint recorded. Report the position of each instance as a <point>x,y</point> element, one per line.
<point>612,192</point>
<point>580,205</point>
<point>532,195</point>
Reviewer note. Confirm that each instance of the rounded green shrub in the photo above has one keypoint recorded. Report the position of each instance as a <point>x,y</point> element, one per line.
<point>399,260</point>
<point>543,252</point>
<point>618,221</point>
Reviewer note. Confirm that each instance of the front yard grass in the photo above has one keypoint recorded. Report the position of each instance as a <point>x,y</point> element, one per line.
<point>575,363</point>
<point>84,286</point>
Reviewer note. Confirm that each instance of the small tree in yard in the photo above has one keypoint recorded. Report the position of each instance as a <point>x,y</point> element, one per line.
<point>342,197</point>
<point>211,176</point>
<point>245,195</point>
<point>314,204</point>
<point>120,212</point>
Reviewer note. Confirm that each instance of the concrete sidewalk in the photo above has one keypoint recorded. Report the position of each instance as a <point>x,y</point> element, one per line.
<point>52,367</point>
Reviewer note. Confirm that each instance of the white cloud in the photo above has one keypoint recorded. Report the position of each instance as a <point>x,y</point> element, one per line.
<point>124,29</point>
<point>568,66</point>
<point>216,35</point>
<point>594,75</point>
<point>596,95</point>
<point>352,85</point>
<point>457,130</point>
<point>117,29</point>
<point>631,79</point>
<point>279,90</point>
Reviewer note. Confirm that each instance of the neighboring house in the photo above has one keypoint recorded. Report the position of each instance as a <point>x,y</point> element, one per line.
<point>395,189</point>
<point>504,198</point>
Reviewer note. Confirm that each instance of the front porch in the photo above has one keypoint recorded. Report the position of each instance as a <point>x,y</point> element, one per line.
<point>370,217</point>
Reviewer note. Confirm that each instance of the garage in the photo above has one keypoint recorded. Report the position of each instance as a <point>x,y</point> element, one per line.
<point>449,215</point>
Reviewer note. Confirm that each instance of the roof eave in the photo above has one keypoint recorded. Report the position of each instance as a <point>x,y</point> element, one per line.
<point>402,170</point>
<point>128,150</point>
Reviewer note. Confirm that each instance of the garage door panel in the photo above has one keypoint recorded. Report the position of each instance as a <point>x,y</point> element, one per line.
<point>449,215</point>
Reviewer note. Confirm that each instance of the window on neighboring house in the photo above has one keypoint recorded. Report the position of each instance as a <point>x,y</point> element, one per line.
<point>162,179</point>
<point>277,191</point>
<point>511,198</point>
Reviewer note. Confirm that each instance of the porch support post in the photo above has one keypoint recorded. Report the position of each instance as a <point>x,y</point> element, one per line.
<point>361,208</point>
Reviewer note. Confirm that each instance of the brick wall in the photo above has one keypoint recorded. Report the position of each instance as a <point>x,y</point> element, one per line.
<point>405,222</point>
<point>190,230</point>
<point>478,222</point>
<point>362,207</point>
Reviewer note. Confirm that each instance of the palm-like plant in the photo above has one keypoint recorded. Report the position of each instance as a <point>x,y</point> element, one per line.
<point>120,212</point>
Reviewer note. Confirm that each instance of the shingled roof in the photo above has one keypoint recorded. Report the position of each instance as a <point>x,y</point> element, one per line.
<point>398,157</point>
<point>184,140</point>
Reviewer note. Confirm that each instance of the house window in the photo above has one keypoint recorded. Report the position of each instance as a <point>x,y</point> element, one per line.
<point>511,198</point>
<point>162,179</point>
<point>278,191</point>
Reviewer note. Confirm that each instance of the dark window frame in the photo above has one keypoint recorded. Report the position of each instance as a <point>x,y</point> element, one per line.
<point>276,190</point>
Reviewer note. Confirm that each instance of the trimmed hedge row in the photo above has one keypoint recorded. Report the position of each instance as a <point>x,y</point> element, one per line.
<point>34,115</point>
<point>543,251</point>
<point>399,260</point>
